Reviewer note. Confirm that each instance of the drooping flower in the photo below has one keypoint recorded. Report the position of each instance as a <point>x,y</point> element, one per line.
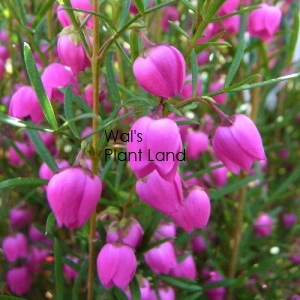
<point>73,194</point>
<point>160,71</point>
<point>263,225</point>
<point>19,280</point>
<point>116,265</point>
<point>15,247</point>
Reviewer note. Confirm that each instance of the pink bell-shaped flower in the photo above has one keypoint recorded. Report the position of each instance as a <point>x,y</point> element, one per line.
<point>228,7</point>
<point>195,211</point>
<point>158,144</point>
<point>198,244</point>
<point>128,231</point>
<point>264,22</point>
<point>217,293</point>
<point>36,258</point>
<point>71,50</point>
<point>263,225</point>
<point>187,90</point>
<point>24,103</point>
<point>165,196</point>
<point>160,71</point>
<point>165,293</point>
<point>19,280</point>
<point>197,143</point>
<point>185,268</point>
<point>15,247</point>
<point>161,259</point>
<point>165,230</point>
<point>20,217</point>
<point>116,265</point>
<point>14,157</point>
<point>73,194</point>
<point>56,75</point>
<point>237,142</point>
<point>144,289</point>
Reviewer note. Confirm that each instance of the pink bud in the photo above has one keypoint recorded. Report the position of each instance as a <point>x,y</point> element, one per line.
<point>19,280</point>
<point>187,90</point>
<point>195,211</point>
<point>165,230</point>
<point>15,247</point>
<point>116,265</point>
<point>215,293</point>
<point>15,158</point>
<point>237,143</point>
<point>170,13</point>
<point>165,196</point>
<point>155,145</point>
<point>73,194</point>
<point>289,220</point>
<point>228,7</point>
<point>24,103</point>
<point>185,268</point>
<point>198,244</point>
<point>161,259</point>
<point>56,75</point>
<point>20,217</point>
<point>197,143</point>
<point>161,71</point>
<point>128,231</point>
<point>264,22</point>
<point>263,225</point>
<point>71,50</point>
<point>165,293</point>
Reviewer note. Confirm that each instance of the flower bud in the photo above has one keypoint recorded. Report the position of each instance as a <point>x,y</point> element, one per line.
<point>73,194</point>
<point>19,280</point>
<point>165,230</point>
<point>198,244</point>
<point>160,71</point>
<point>161,259</point>
<point>15,247</point>
<point>263,225</point>
<point>165,293</point>
<point>289,220</point>
<point>195,211</point>
<point>116,265</point>
<point>197,143</point>
<point>217,293</point>
<point>128,232</point>
<point>185,268</point>
<point>15,158</point>
<point>237,143</point>
<point>162,195</point>
<point>71,50</point>
<point>20,217</point>
<point>264,22</point>
<point>187,90</point>
<point>36,258</point>
<point>157,145</point>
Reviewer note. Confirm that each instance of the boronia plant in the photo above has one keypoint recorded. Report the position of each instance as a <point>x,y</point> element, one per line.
<point>149,149</point>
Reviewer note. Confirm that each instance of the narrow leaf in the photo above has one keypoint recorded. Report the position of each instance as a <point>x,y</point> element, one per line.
<point>50,224</point>
<point>178,28</point>
<point>41,149</point>
<point>134,45</point>
<point>235,63</point>
<point>171,108</point>
<point>188,5</point>
<point>58,269</point>
<point>81,277</point>
<point>293,38</point>
<point>41,13</point>
<point>10,298</point>
<point>37,84</point>
<point>21,181</point>
<point>241,83</point>
<point>135,289</point>
<point>120,294</point>
<point>139,5</point>
<point>111,79</point>
<point>194,64</point>
<point>184,283</point>
<point>124,13</point>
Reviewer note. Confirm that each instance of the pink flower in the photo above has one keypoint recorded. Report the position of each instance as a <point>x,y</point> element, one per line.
<point>128,231</point>
<point>228,7</point>
<point>19,280</point>
<point>195,211</point>
<point>161,259</point>
<point>144,289</point>
<point>219,175</point>
<point>264,22</point>
<point>71,50</point>
<point>165,293</point>
<point>198,244</point>
<point>161,71</point>
<point>20,217</point>
<point>187,90</point>
<point>73,194</point>
<point>165,230</point>
<point>36,258</point>
<point>185,268</point>
<point>207,34</point>
<point>116,265</point>
<point>169,13</point>
<point>237,143</point>
<point>215,86</point>
<point>154,139</point>
<point>56,75</point>
<point>217,293</point>
<point>165,196</point>
<point>289,220</point>
<point>14,157</point>
<point>15,247</point>
<point>69,272</point>
<point>263,225</point>
<point>24,103</point>
<point>197,142</point>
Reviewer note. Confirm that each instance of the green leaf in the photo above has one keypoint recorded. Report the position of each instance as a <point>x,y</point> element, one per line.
<point>42,150</point>
<point>120,294</point>
<point>81,277</point>
<point>58,270</point>
<point>188,5</point>
<point>291,46</point>
<point>189,106</point>
<point>10,298</point>
<point>37,84</point>
<point>21,181</point>
<point>22,10</point>
<point>134,45</point>
<point>171,108</point>
<point>111,79</point>
<point>235,63</point>
<point>241,83</point>
<point>182,283</point>
<point>135,289</point>
<point>194,64</point>
<point>41,13</point>
<point>238,12</point>
<point>178,28</point>
<point>140,6</point>
<point>50,224</point>
<point>124,13</point>
<point>69,110</point>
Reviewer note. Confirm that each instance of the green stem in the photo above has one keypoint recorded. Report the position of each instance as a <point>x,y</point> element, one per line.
<point>50,33</point>
<point>95,159</point>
